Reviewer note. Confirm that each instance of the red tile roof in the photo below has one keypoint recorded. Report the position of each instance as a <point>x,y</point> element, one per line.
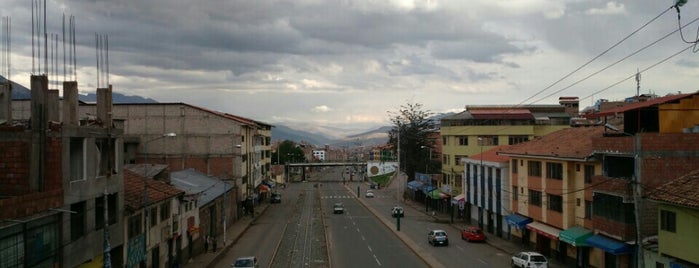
<point>157,191</point>
<point>574,142</point>
<point>492,155</point>
<point>683,191</point>
<point>638,105</point>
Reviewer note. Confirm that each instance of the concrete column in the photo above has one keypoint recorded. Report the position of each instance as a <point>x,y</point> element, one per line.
<point>52,106</point>
<point>104,106</point>
<point>70,103</point>
<point>39,99</point>
<point>6,104</point>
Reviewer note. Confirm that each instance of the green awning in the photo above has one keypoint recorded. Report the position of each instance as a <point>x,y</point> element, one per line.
<point>437,194</point>
<point>575,236</point>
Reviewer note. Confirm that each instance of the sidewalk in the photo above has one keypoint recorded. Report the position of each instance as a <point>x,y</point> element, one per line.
<point>233,233</point>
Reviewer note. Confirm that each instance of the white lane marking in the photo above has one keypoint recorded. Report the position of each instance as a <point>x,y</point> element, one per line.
<point>369,248</point>
<point>377,260</point>
<point>363,238</point>
<point>482,261</point>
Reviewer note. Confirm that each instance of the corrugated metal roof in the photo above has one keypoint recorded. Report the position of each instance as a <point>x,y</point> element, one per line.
<point>156,191</point>
<point>502,114</point>
<point>193,182</point>
<point>575,142</point>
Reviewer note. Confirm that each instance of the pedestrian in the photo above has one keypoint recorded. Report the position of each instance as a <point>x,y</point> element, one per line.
<point>206,244</point>
<point>213,241</point>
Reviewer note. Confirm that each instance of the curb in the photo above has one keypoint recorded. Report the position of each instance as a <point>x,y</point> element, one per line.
<point>225,249</point>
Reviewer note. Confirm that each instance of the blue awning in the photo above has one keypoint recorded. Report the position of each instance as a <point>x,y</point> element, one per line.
<point>427,188</point>
<point>608,245</point>
<point>517,220</point>
<point>414,185</point>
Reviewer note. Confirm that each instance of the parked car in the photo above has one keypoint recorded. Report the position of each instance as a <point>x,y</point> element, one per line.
<point>472,233</point>
<point>372,185</point>
<point>529,260</point>
<point>438,237</point>
<point>369,194</point>
<point>246,262</point>
<point>338,208</point>
<point>397,211</point>
<point>276,198</point>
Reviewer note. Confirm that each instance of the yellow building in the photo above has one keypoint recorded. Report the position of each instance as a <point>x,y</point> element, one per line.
<point>480,128</point>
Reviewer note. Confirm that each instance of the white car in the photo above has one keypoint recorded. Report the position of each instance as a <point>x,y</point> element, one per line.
<point>369,194</point>
<point>529,260</point>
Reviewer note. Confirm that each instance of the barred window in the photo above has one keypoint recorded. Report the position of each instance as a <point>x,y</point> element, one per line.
<point>589,173</point>
<point>535,198</point>
<point>555,203</point>
<point>534,168</point>
<point>554,171</point>
<point>667,221</point>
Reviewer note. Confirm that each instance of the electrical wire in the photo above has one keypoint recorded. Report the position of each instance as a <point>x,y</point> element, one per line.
<point>596,57</point>
<point>694,50</point>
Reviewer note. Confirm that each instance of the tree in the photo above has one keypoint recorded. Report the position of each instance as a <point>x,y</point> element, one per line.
<point>414,126</point>
<point>289,152</point>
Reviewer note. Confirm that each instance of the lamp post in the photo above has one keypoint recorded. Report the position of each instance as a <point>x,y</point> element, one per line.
<point>145,194</point>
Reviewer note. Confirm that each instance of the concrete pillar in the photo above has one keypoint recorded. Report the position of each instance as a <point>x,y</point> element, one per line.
<point>39,99</point>
<point>52,106</point>
<point>70,103</point>
<point>104,106</point>
<point>6,103</point>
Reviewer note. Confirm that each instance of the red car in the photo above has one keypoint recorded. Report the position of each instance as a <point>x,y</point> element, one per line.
<point>472,233</point>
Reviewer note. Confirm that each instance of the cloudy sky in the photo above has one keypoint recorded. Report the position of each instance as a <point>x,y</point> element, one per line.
<point>347,63</point>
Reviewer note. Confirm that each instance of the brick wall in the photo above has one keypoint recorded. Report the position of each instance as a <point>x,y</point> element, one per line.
<point>14,167</point>
<point>614,228</point>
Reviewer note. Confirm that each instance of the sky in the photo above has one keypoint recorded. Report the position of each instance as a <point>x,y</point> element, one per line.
<point>351,64</point>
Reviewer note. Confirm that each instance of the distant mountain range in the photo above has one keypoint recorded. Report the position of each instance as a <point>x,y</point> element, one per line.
<point>305,133</point>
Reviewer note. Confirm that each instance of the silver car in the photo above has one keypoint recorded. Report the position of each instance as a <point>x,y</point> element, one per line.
<point>438,237</point>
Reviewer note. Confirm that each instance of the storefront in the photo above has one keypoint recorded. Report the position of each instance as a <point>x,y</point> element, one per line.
<point>609,252</point>
<point>576,249</point>
<point>519,222</point>
<point>546,239</point>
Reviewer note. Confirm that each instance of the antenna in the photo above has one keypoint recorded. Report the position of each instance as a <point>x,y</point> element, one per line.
<point>638,84</point>
<point>97,57</point>
<point>63,39</point>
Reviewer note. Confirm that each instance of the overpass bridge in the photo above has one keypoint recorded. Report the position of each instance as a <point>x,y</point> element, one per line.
<point>303,168</point>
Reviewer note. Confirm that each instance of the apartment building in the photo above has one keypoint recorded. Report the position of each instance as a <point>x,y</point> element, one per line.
<point>63,192</point>
<point>657,142</point>
<point>550,192</point>
<point>482,127</point>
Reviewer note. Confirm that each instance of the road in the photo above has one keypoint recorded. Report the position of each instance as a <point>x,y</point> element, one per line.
<point>302,231</point>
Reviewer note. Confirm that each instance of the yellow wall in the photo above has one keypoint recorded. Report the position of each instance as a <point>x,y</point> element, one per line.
<point>676,116</point>
<point>685,237</point>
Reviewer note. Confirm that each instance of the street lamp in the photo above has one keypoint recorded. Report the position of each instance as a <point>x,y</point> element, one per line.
<point>145,194</point>
<point>428,160</point>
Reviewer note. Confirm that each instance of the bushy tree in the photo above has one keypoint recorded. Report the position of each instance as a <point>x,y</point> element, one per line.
<point>414,126</point>
<point>289,152</point>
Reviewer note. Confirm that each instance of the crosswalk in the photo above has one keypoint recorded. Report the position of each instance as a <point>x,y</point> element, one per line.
<point>351,196</point>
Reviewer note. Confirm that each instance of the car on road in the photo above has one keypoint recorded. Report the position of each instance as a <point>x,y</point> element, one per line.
<point>529,260</point>
<point>397,211</point>
<point>472,233</point>
<point>338,208</point>
<point>438,237</point>
<point>276,198</point>
<point>369,194</point>
<point>246,262</point>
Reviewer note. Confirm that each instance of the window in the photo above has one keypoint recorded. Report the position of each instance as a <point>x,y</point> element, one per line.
<point>463,140</point>
<point>445,158</point>
<point>153,216</point>
<point>457,159</point>
<point>134,227</point>
<point>515,194</point>
<point>588,210</point>
<point>612,207</point>
<point>104,156</point>
<point>99,210</point>
<point>512,140</point>
<point>488,140</point>
<point>77,159</point>
<point>514,166</point>
<point>667,221</point>
<point>444,140</point>
<point>554,171</point>
<point>534,168</point>
<point>555,203</point>
<point>77,220</point>
<point>165,211</point>
<point>535,198</point>
<point>589,172</point>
